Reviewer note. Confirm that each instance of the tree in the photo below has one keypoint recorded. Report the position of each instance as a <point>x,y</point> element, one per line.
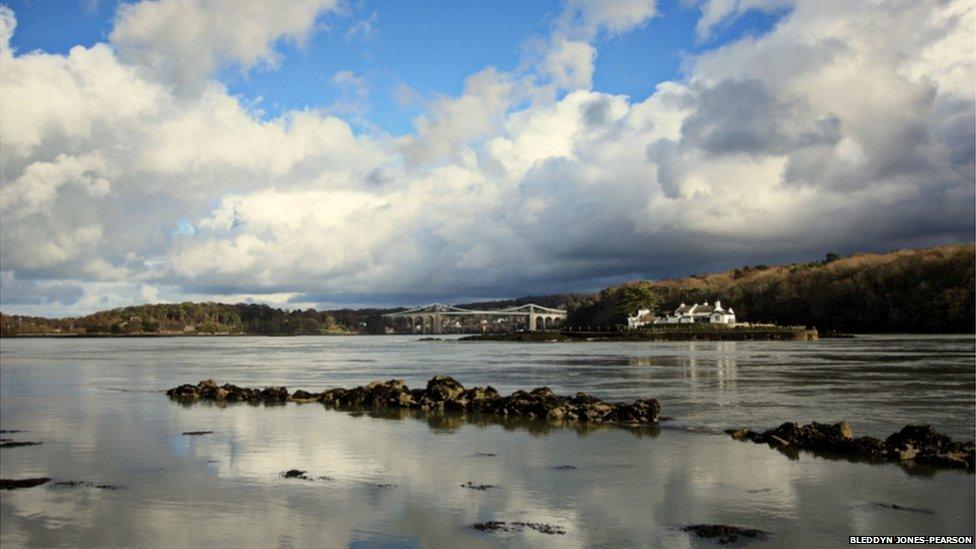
<point>636,296</point>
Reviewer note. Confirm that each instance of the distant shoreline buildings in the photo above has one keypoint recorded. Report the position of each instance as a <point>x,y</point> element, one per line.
<point>700,313</point>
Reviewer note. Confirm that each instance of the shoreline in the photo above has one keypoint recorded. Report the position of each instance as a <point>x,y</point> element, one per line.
<point>721,334</point>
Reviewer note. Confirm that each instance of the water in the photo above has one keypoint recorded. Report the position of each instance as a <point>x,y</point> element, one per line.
<point>95,405</point>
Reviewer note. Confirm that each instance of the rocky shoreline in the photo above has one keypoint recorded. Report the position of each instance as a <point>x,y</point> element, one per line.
<point>441,393</point>
<point>912,444</point>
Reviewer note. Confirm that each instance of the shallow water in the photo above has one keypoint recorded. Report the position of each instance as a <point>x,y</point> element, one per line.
<point>94,403</point>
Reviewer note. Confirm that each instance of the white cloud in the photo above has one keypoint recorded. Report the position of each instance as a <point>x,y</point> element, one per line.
<point>364,28</point>
<point>455,121</point>
<point>570,64</point>
<point>718,12</point>
<point>37,188</point>
<point>353,97</point>
<point>184,41</point>
<point>8,23</point>
<point>589,17</point>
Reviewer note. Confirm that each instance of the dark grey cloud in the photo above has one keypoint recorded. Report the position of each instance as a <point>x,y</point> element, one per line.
<point>735,117</point>
<point>15,291</point>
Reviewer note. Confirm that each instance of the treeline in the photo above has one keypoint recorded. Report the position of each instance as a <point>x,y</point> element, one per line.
<point>920,291</point>
<point>186,318</point>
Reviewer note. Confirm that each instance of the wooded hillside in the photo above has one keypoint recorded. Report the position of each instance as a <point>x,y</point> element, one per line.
<point>926,290</point>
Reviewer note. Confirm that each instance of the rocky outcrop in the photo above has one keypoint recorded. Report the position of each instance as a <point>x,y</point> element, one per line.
<point>723,533</point>
<point>7,443</point>
<point>493,526</point>
<point>21,483</point>
<point>914,443</point>
<point>441,393</point>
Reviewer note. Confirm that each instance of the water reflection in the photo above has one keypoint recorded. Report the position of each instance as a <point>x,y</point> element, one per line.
<point>449,421</point>
<point>398,479</point>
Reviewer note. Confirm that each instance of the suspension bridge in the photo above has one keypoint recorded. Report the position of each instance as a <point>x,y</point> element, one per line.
<point>431,318</point>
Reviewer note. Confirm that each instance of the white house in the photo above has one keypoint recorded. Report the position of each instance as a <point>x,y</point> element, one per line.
<point>699,312</point>
<point>642,318</point>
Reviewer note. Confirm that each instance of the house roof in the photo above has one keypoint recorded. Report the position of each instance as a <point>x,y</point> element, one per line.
<point>699,309</point>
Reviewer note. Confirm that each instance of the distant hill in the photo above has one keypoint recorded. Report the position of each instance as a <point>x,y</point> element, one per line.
<point>916,291</point>
<point>179,318</point>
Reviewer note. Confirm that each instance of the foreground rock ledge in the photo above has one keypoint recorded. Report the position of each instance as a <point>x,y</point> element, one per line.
<point>442,392</point>
<point>914,443</point>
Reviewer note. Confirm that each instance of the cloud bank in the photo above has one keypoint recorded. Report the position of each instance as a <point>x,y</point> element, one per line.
<point>129,171</point>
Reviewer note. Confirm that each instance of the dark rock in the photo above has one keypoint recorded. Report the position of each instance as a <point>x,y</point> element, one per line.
<point>817,436</point>
<point>583,398</point>
<point>233,393</point>
<point>15,444</point>
<point>641,411</point>
<point>274,394</point>
<point>484,454</point>
<point>564,467</point>
<point>386,486</point>
<point>305,396</point>
<point>332,396</point>
<point>897,507</point>
<point>723,533</point>
<point>479,487</point>
<point>492,526</point>
<point>295,473</point>
<point>11,431</point>
<point>914,443</point>
<point>184,392</point>
<point>391,394</point>
<point>441,388</point>
<point>543,528</point>
<point>21,483</point>
<point>86,484</point>
<point>923,444</point>
<point>741,434</point>
<point>196,433</point>
<point>475,394</point>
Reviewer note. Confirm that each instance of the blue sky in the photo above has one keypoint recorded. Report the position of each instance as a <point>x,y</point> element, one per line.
<point>320,153</point>
<point>428,46</point>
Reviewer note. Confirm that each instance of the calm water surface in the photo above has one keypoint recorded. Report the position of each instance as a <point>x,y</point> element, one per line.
<point>396,481</point>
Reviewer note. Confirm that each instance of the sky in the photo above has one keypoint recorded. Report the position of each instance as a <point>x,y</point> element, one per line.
<point>348,153</point>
